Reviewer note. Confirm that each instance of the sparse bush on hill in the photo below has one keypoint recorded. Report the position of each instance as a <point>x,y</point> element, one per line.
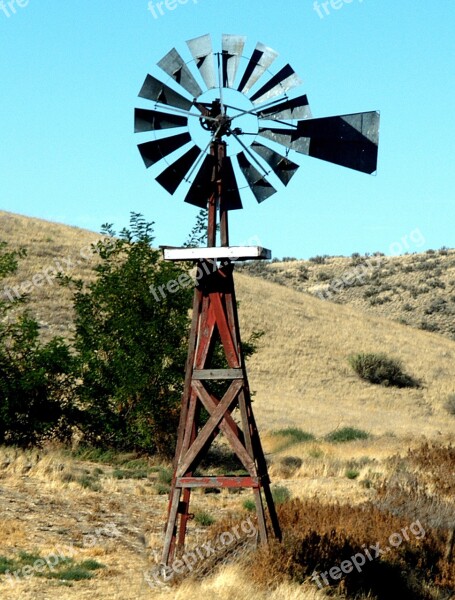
<point>295,433</point>
<point>280,494</point>
<point>380,369</point>
<point>318,260</point>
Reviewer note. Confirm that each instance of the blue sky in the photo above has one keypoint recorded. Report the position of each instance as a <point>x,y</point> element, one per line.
<point>70,74</point>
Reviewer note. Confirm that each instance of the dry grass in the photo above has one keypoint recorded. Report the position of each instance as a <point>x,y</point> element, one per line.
<point>42,511</point>
<point>49,248</point>
<point>416,289</point>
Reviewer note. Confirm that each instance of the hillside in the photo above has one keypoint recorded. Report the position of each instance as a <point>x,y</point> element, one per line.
<point>413,289</point>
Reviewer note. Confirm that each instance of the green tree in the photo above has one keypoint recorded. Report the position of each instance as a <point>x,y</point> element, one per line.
<point>131,340</point>
<point>36,380</point>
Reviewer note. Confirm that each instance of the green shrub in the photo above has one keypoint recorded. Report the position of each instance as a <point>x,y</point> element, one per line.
<point>426,326</point>
<point>295,433</point>
<point>315,452</point>
<point>165,475</point>
<point>129,474</point>
<point>291,462</point>
<point>323,276</point>
<point>90,483</point>
<point>249,505</point>
<point>380,369</point>
<point>318,260</point>
<point>162,489</point>
<point>346,434</point>
<point>352,473</point>
<point>280,494</point>
<point>66,569</point>
<point>131,342</point>
<point>203,518</point>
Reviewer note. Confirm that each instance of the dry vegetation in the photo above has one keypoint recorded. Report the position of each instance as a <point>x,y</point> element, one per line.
<point>355,492</point>
<point>412,289</point>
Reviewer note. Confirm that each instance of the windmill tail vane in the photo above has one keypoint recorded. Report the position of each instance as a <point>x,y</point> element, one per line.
<point>219,129</point>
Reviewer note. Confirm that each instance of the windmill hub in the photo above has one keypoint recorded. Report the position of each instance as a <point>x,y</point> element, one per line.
<point>216,119</point>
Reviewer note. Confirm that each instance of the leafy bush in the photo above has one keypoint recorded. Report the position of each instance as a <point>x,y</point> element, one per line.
<point>249,505</point>
<point>352,473</point>
<point>426,326</point>
<point>318,260</point>
<point>437,305</point>
<point>346,434</point>
<point>292,462</point>
<point>131,343</point>
<point>65,569</point>
<point>323,276</point>
<point>380,369</point>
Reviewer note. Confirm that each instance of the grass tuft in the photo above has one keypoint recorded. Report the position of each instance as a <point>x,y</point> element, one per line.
<point>346,434</point>
<point>203,518</point>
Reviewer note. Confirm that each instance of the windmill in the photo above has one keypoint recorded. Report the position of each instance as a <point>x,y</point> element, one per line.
<point>218,130</point>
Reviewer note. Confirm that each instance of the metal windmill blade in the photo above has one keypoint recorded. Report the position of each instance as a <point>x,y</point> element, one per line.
<point>154,89</point>
<point>174,65</point>
<point>154,151</point>
<point>261,59</point>
<point>259,185</point>
<point>152,120</point>
<point>232,49</point>
<point>295,108</point>
<point>201,50</point>
<point>283,81</point>
<point>283,168</point>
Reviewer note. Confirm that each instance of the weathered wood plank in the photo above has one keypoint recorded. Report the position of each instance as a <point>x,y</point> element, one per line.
<point>228,252</point>
<point>222,481</point>
<point>217,374</point>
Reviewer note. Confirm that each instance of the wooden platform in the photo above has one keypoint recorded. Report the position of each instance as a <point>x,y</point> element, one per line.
<point>232,253</point>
